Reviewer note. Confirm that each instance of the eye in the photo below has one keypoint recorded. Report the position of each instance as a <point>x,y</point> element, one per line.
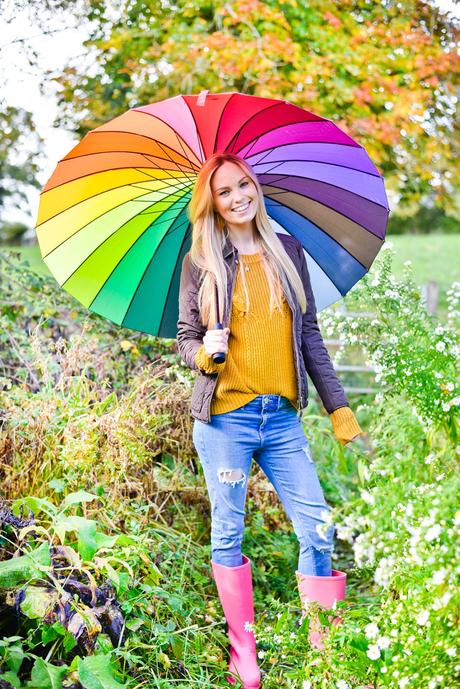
<point>222,193</point>
<point>244,184</point>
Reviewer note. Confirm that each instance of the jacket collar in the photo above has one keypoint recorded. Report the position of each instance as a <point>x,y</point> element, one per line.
<point>229,248</point>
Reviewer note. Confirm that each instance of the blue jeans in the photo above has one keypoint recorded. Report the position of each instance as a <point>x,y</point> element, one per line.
<point>268,429</point>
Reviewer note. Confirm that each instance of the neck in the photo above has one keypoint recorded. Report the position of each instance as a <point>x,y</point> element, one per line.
<point>244,239</point>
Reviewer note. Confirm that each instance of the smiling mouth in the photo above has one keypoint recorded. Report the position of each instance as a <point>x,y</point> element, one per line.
<point>241,209</point>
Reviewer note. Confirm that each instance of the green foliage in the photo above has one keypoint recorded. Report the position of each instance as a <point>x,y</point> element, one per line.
<point>18,160</point>
<point>96,442</point>
<point>31,565</point>
<point>413,354</point>
<point>385,72</point>
<point>12,232</point>
<point>424,221</point>
<point>95,672</point>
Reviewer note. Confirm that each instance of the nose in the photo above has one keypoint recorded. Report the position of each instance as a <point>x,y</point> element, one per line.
<point>238,195</point>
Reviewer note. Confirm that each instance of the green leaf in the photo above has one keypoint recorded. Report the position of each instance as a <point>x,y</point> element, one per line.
<point>38,602</point>
<point>35,504</point>
<point>51,632</point>
<point>57,484</point>
<point>95,672</point>
<point>85,530</point>
<point>78,497</point>
<point>46,676</point>
<point>12,678</point>
<point>24,568</point>
<point>15,656</point>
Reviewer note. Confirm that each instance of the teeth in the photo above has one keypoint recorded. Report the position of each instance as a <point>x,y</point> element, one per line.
<point>241,208</point>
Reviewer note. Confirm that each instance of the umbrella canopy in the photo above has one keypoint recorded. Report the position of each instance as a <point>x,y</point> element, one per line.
<point>112,223</point>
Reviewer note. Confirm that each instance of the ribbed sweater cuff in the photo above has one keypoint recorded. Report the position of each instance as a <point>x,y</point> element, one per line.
<point>344,424</point>
<point>206,362</point>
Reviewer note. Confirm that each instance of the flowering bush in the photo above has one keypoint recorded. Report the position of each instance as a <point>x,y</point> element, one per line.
<point>412,353</point>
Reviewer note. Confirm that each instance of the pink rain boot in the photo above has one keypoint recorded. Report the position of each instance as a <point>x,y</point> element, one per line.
<point>234,585</point>
<point>323,590</point>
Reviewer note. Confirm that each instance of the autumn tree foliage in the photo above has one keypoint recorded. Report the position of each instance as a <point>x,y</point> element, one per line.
<point>386,72</point>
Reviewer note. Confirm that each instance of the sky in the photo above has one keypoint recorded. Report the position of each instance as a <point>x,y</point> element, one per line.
<point>21,81</point>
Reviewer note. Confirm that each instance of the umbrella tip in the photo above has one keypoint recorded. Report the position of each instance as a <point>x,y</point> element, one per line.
<point>202,98</point>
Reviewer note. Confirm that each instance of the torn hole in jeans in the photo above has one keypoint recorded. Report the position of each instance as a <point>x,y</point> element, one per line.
<point>231,476</point>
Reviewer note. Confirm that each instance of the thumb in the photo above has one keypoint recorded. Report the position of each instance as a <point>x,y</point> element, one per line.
<point>227,331</point>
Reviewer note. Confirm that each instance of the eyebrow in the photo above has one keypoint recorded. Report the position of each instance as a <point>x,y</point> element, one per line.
<point>245,177</point>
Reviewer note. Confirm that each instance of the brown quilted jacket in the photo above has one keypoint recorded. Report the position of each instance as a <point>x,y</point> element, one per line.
<point>310,353</point>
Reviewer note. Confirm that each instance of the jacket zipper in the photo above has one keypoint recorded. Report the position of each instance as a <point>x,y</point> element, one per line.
<point>294,340</point>
<point>299,399</point>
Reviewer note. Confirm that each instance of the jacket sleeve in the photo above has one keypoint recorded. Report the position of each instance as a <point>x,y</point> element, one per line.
<point>315,355</point>
<point>190,330</point>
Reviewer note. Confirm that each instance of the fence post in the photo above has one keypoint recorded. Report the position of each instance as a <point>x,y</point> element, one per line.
<point>430,296</point>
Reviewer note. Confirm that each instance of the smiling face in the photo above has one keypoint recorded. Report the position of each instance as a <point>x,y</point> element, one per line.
<point>235,196</point>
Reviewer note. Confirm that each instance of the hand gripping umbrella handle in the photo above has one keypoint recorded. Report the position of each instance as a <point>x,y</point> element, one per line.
<point>218,357</point>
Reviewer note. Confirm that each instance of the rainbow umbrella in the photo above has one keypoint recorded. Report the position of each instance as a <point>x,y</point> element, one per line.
<point>112,223</point>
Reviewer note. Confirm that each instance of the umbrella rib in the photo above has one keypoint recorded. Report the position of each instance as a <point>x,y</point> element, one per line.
<point>268,131</point>
<point>305,196</point>
<point>89,223</point>
<point>104,191</point>
<point>172,128</point>
<point>198,136</point>
<point>328,235</point>
<point>154,163</point>
<point>173,272</point>
<point>150,138</point>
<point>220,121</point>
<point>165,152</point>
<point>320,162</point>
<point>246,122</point>
<point>150,261</point>
<point>142,112</point>
<point>98,172</point>
<point>98,247</point>
<point>96,153</point>
<point>329,184</point>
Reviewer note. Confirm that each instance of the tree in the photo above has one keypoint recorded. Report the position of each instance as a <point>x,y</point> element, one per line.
<point>387,73</point>
<point>19,149</point>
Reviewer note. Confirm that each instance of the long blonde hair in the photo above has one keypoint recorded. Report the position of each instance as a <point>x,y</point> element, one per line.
<point>209,238</point>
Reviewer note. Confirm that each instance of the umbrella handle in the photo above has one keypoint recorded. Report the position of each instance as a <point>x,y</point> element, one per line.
<point>219,357</point>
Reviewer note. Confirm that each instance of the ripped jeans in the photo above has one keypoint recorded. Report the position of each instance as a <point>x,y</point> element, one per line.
<point>267,429</point>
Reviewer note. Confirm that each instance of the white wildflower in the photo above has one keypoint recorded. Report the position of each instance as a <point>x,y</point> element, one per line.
<point>383,642</point>
<point>422,618</point>
<point>433,532</point>
<point>341,684</point>
<point>439,576</point>
<point>371,630</point>
<point>373,652</point>
<point>440,346</point>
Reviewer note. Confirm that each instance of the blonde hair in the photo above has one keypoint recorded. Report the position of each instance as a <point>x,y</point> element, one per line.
<point>209,237</point>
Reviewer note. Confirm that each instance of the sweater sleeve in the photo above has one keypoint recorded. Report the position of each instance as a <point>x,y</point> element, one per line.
<point>345,424</point>
<point>206,363</point>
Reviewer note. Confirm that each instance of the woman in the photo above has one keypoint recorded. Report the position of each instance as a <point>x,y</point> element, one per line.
<point>249,406</point>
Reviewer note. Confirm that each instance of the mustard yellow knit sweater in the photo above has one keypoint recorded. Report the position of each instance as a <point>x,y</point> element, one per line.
<point>260,357</point>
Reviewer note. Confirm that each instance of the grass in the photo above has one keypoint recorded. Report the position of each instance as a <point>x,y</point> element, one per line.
<point>433,257</point>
